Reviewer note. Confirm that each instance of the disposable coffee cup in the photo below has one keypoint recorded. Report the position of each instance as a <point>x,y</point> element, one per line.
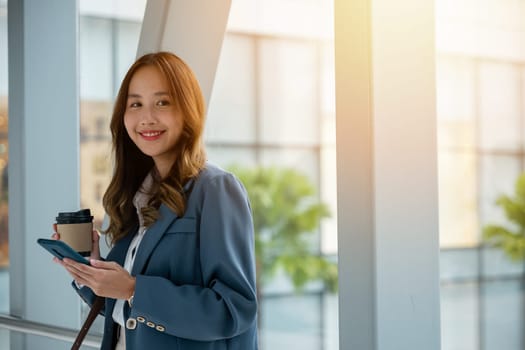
<point>75,229</point>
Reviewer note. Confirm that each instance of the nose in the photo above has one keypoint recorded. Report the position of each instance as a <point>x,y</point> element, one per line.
<point>148,117</point>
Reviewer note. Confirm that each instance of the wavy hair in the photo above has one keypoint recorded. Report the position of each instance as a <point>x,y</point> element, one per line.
<point>131,165</point>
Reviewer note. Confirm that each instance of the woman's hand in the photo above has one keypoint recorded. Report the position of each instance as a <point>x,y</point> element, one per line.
<point>105,278</point>
<point>95,246</point>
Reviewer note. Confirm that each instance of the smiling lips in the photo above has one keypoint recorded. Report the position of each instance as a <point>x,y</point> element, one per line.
<point>151,135</point>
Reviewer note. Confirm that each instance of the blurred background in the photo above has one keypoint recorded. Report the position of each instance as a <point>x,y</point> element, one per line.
<point>271,120</point>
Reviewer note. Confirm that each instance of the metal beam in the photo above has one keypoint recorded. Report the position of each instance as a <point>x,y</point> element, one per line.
<point>45,330</point>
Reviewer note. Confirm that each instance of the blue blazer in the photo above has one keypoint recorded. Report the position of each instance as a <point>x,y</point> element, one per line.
<point>195,274</point>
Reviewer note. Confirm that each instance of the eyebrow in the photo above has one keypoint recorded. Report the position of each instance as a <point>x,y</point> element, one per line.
<point>160,93</point>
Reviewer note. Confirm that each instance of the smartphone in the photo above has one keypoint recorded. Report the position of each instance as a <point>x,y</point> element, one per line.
<point>61,250</point>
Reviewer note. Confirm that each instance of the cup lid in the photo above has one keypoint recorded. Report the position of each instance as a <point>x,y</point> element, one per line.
<point>83,215</point>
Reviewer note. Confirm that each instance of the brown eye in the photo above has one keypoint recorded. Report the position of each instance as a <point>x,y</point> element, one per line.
<point>162,103</point>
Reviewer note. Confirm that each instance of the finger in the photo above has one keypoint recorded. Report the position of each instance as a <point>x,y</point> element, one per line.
<point>76,265</point>
<point>94,282</point>
<point>95,246</point>
<point>80,268</point>
<point>80,279</point>
<point>73,272</point>
<point>75,275</point>
<point>55,234</point>
<point>81,276</point>
<point>96,236</point>
<point>58,261</point>
<point>106,265</point>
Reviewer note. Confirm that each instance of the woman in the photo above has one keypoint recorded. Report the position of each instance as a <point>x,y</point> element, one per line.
<point>181,270</point>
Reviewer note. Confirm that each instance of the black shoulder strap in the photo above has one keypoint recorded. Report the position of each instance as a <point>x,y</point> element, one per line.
<point>95,309</point>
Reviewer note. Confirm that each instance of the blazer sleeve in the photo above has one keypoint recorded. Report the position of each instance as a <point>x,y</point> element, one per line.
<point>226,304</point>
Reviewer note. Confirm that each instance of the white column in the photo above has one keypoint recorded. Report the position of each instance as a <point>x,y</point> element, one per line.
<point>387,175</point>
<point>43,156</point>
<point>193,30</point>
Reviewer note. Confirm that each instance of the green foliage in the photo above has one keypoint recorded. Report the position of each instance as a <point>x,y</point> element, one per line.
<point>286,215</point>
<point>510,239</point>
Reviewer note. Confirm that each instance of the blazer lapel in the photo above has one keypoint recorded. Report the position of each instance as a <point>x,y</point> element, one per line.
<point>119,251</point>
<point>151,238</point>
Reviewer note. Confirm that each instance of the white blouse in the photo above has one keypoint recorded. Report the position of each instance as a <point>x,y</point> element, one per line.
<point>139,201</point>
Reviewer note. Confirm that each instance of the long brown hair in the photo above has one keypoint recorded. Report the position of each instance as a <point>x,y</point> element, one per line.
<point>131,165</point>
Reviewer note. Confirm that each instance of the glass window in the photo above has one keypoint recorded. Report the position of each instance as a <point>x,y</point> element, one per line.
<point>481,115</point>
<point>502,320</point>
<point>455,95</point>
<point>291,322</point>
<point>458,216</point>
<point>303,160</point>
<point>231,113</point>
<point>497,176</point>
<point>499,106</point>
<point>327,168</point>
<point>232,155</point>
<point>108,45</point>
<point>281,120</point>
<point>127,32</point>
<point>459,316</point>
<point>289,93</point>
<point>96,48</point>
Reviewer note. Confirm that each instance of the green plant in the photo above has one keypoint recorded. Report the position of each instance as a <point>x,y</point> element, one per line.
<point>286,215</point>
<point>510,239</point>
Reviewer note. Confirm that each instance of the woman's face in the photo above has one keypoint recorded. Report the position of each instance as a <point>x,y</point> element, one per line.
<point>151,119</point>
